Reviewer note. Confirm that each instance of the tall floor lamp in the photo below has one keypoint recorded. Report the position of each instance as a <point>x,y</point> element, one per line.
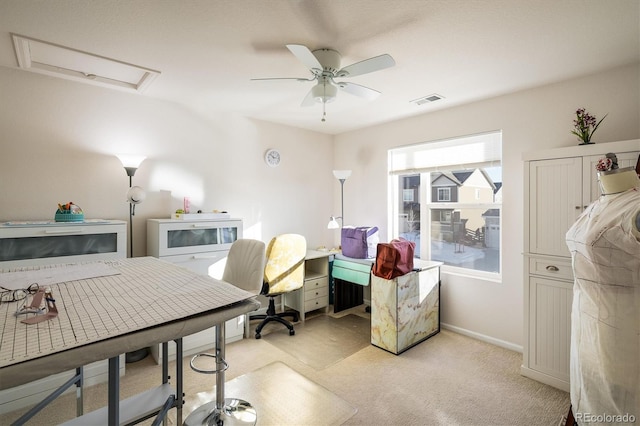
<point>341,175</point>
<point>135,195</point>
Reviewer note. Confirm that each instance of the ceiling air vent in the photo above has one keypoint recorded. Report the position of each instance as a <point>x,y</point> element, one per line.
<point>427,99</point>
<point>60,61</point>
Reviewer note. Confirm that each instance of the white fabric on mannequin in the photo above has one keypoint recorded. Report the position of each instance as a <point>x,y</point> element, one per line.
<point>605,319</point>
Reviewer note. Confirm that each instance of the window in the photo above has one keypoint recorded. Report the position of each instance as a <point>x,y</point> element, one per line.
<point>407,195</point>
<point>444,194</point>
<point>456,215</point>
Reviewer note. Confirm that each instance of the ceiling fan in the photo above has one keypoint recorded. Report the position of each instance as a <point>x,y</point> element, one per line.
<point>324,65</point>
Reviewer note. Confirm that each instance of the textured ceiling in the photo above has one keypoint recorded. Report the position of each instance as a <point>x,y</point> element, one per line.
<point>463,50</point>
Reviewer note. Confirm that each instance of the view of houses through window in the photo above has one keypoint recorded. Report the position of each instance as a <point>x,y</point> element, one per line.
<point>452,213</point>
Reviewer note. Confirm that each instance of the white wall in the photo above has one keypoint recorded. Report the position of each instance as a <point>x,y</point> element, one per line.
<point>58,141</point>
<point>533,119</point>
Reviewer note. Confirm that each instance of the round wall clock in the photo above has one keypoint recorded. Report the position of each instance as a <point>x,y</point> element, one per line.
<point>272,157</point>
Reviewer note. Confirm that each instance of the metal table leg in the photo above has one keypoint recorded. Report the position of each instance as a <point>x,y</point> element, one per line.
<point>222,411</point>
<point>114,391</point>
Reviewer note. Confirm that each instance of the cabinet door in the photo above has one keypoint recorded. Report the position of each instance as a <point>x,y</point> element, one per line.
<point>555,202</point>
<point>174,237</point>
<point>550,327</point>
<point>591,185</point>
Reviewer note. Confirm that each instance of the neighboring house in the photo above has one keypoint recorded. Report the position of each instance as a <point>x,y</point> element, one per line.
<point>462,224</point>
<point>410,218</point>
<point>462,187</point>
<point>492,228</point>
<point>497,194</point>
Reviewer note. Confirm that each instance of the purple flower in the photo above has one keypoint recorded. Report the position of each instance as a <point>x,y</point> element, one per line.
<point>585,125</point>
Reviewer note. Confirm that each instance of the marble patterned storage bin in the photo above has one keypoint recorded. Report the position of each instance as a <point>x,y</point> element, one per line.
<point>406,310</point>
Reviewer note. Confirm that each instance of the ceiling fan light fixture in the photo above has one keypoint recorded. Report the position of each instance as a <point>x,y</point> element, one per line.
<point>324,93</point>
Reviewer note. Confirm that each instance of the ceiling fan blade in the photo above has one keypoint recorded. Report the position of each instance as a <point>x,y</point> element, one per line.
<point>358,90</point>
<point>283,78</point>
<point>305,56</point>
<point>308,100</point>
<point>376,63</point>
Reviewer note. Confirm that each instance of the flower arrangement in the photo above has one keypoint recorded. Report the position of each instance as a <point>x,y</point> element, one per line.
<point>585,125</point>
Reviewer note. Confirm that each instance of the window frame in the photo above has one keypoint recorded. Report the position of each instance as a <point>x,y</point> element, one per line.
<point>427,205</point>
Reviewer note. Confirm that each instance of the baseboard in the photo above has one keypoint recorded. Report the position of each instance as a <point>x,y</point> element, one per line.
<point>545,378</point>
<point>483,337</point>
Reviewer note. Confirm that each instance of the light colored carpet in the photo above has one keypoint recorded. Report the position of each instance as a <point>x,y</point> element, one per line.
<point>448,379</point>
<point>323,340</point>
<point>281,396</point>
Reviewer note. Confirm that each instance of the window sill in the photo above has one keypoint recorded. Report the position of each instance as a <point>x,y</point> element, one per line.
<point>481,276</point>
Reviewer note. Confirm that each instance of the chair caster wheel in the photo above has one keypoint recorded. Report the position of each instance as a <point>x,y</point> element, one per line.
<point>258,336</point>
<point>292,332</point>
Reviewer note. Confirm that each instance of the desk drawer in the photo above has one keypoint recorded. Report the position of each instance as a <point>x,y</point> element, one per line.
<point>316,293</point>
<point>558,267</point>
<point>315,284</point>
<point>320,302</point>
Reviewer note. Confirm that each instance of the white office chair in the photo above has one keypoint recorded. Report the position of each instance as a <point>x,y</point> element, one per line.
<point>244,269</point>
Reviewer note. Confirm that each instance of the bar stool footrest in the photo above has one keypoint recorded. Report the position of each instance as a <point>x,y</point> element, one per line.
<point>215,371</point>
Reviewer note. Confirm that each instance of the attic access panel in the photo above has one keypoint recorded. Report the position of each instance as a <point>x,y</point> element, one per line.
<point>64,62</point>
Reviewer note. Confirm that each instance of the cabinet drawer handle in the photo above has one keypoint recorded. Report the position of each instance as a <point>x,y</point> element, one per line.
<point>204,256</point>
<point>552,268</point>
<point>64,231</point>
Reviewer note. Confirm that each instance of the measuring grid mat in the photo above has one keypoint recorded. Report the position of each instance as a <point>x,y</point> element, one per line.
<point>147,292</point>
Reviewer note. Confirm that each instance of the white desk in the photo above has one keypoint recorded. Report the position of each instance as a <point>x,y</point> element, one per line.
<point>148,302</point>
<point>314,294</point>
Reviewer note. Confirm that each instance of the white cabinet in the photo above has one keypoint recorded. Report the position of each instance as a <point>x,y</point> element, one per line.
<point>49,242</point>
<point>559,184</point>
<point>201,246</point>
<point>35,243</point>
<point>315,292</point>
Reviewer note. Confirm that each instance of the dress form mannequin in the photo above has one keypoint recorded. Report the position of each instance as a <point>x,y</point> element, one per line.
<point>618,180</point>
<point>605,318</point>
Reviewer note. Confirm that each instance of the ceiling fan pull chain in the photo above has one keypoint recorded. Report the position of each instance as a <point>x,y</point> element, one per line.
<point>324,101</point>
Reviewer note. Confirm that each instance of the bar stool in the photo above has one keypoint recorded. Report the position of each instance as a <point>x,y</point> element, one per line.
<point>222,411</point>
<point>244,269</point>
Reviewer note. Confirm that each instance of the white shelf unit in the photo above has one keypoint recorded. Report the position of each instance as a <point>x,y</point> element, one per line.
<point>36,243</point>
<point>201,246</point>
<point>559,184</point>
